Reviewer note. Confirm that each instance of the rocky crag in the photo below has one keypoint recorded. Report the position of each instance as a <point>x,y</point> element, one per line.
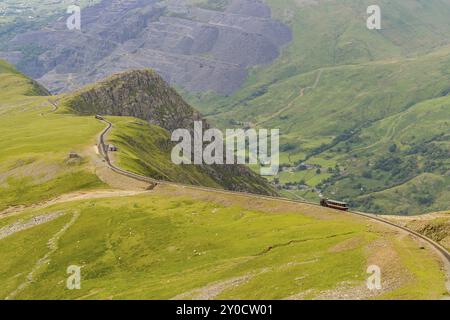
<point>145,95</point>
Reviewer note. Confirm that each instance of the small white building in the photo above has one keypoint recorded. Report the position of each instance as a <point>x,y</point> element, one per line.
<point>112,148</point>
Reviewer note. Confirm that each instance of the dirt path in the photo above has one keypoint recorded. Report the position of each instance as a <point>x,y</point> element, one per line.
<point>70,197</point>
<point>390,133</point>
<point>35,221</point>
<point>434,225</point>
<point>213,290</point>
<point>434,246</point>
<point>54,104</point>
<point>301,94</point>
<point>422,217</point>
<point>52,246</point>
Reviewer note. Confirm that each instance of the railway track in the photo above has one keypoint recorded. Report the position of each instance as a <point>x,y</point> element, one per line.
<point>444,254</point>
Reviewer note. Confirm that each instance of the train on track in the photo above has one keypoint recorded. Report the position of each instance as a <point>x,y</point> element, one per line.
<point>338,205</point>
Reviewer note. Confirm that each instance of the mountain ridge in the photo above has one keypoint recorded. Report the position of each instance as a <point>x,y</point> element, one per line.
<point>55,153</point>
<point>143,94</point>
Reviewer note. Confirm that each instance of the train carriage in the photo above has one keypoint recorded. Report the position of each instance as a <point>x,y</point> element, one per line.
<point>338,205</point>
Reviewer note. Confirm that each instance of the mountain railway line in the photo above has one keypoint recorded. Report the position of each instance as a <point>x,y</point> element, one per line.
<point>443,253</point>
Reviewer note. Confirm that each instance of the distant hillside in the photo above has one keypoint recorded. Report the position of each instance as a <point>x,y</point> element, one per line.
<point>36,143</point>
<point>361,112</point>
<point>12,83</point>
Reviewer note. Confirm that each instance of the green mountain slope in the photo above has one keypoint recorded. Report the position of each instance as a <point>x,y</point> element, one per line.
<point>145,149</point>
<point>173,241</point>
<point>435,225</point>
<point>34,158</point>
<point>189,244</point>
<point>343,95</point>
<point>35,162</point>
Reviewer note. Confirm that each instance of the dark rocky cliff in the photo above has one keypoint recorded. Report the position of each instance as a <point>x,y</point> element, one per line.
<point>145,95</point>
<point>141,94</point>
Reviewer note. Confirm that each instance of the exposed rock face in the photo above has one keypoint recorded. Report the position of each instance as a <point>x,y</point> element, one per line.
<point>141,94</point>
<point>145,95</point>
<point>197,48</point>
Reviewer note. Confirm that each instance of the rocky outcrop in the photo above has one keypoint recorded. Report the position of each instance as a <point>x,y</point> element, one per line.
<point>145,95</point>
<point>141,94</point>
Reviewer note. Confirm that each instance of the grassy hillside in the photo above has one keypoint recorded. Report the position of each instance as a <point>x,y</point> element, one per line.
<point>34,162</point>
<point>424,190</point>
<point>435,225</point>
<point>343,96</point>
<point>143,94</point>
<point>182,243</point>
<point>172,242</point>
<point>145,149</point>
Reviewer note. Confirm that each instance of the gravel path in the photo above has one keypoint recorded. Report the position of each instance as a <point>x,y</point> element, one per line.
<point>52,246</point>
<point>35,221</point>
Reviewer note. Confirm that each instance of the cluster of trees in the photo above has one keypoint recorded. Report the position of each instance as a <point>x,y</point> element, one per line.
<point>367,203</point>
<point>399,168</point>
<point>429,150</point>
<point>288,147</point>
<point>395,166</point>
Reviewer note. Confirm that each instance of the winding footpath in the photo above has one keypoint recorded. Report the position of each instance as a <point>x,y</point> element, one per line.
<point>52,245</point>
<point>290,104</point>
